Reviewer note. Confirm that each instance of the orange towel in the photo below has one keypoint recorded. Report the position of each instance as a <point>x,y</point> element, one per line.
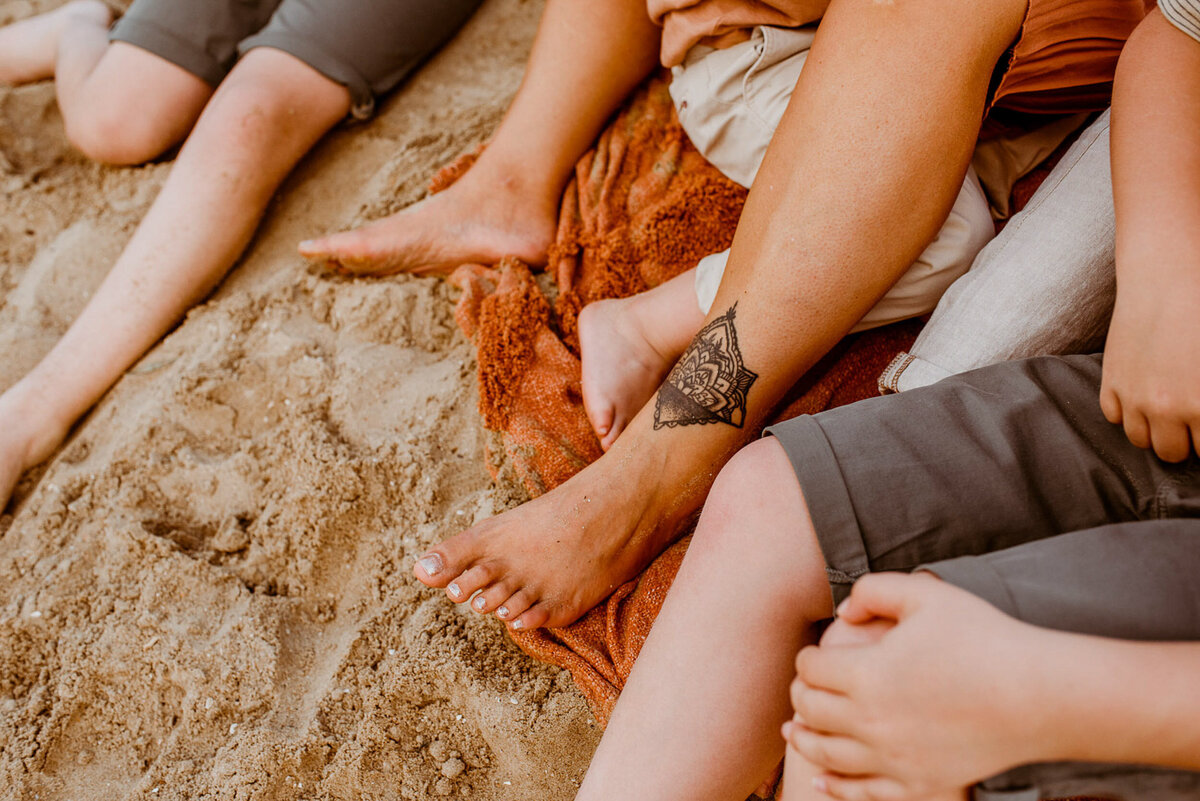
<point>643,207</point>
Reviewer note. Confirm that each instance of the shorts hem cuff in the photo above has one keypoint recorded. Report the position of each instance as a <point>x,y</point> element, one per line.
<point>362,97</point>
<point>169,47</point>
<point>829,504</point>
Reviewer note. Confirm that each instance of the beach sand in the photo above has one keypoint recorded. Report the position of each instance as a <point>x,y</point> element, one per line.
<point>206,593</point>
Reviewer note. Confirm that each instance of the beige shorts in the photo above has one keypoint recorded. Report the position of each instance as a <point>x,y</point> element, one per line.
<point>730,101</point>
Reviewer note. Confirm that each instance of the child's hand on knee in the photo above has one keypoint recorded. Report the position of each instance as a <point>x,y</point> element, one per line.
<point>917,692</point>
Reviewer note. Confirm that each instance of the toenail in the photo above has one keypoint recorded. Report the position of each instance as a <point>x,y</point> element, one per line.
<point>432,564</point>
<point>518,624</point>
<point>307,244</point>
<point>454,590</point>
<point>479,603</point>
<point>502,612</point>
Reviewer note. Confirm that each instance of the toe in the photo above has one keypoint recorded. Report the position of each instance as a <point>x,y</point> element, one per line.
<point>532,618</point>
<point>448,560</point>
<point>514,606</point>
<point>467,584</point>
<point>491,597</point>
<point>601,420</point>
<point>614,430</point>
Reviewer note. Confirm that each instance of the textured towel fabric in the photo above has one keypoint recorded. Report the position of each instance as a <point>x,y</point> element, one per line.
<point>642,208</point>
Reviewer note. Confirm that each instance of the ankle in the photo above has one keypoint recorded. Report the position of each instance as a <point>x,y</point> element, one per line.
<point>533,191</point>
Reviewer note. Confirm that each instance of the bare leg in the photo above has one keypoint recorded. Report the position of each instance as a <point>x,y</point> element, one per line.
<point>246,142</point>
<point>29,48</point>
<point>861,174</point>
<point>699,717</point>
<point>120,104</point>
<point>507,203</point>
<point>628,344</point>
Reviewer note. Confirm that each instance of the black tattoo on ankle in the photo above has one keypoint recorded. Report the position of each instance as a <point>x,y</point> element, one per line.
<point>709,383</point>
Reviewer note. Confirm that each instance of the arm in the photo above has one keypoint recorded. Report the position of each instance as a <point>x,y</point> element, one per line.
<point>1152,358</point>
<point>1003,693</point>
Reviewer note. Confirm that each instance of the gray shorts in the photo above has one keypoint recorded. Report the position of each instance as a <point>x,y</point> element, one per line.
<point>368,46</point>
<point>1008,482</point>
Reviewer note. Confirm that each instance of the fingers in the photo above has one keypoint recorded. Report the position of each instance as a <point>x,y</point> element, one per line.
<point>882,595</point>
<point>829,669</point>
<point>1170,429</point>
<point>1137,428</point>
<point>1110,404</point>
<point>823,711</point>
<point>842,755</point>
<point>871,788</point>
<point>1171,440</point>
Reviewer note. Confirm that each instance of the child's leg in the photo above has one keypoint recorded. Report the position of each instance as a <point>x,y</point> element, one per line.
<point>249,137</point>
<point>700,715</point>
<point>507,204</point>
<point>120,104</point>
<point>28,48</point>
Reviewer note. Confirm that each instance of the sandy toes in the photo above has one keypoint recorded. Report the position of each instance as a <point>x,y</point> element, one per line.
<point>548,562</point>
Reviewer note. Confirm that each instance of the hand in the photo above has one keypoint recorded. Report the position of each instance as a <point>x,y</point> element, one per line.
<point>919,691</point>
<point>1151,382</point>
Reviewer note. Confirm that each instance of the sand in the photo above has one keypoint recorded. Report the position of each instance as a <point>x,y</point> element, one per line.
<point>206,593</point>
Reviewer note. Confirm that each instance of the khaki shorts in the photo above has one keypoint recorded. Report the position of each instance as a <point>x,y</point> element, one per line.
<point>368,46</point>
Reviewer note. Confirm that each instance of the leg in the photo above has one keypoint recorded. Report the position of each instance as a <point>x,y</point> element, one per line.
<point>837,213</point>
<point>507,204</point>
<point>29,48</point>
<point>120,104</point>
<point>700,715</point>
<point>247,141</point>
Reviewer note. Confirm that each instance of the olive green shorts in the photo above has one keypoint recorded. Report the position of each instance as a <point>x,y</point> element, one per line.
<point>368,46</point>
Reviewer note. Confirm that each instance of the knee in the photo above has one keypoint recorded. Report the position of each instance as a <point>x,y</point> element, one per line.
<point>756,518</point>
<point>754,491</point>
<point>121,133</point>
<point>271,95</point>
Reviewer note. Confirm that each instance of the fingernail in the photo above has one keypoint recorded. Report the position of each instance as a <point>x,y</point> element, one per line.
<point>842,607</point>
<point>518,624</point>
<point>479,603</point>
<point>820,785</point>
<point>432,564</point>
<point>454,590</point>
<point>502,612</point>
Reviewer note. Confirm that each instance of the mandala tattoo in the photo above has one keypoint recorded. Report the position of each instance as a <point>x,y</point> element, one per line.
<point>709,383</point>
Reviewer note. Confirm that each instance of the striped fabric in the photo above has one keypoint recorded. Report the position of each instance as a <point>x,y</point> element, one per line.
<point>1183,14</point>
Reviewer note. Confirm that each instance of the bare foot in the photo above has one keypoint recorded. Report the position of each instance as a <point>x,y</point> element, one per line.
<point>621,367</point>
<point>29,48</point>
<point>548,562</point>
<point>478,219</point>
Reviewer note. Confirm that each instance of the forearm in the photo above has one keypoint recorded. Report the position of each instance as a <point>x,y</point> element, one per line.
<point>1156,163</point>
<point>1113,615</point>
<point>1104,700</point>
